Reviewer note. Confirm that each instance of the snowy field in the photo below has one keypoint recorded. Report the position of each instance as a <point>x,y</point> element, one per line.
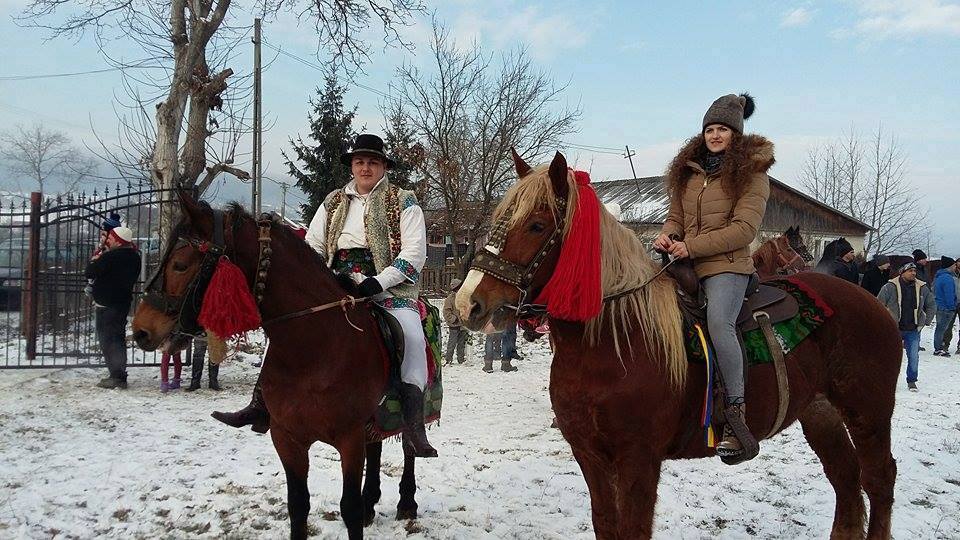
<point>81,462</point>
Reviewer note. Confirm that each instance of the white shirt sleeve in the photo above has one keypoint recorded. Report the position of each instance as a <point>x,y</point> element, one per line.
<point>413,250</point>
<point>316,233</point>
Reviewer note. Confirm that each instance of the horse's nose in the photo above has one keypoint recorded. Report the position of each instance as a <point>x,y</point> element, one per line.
<point>476,309</point>
<point>142,337</point>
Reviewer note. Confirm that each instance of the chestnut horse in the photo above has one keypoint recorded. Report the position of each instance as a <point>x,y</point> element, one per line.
<point>624,394</point>
<point>784,254</point>
<point>322,378</point>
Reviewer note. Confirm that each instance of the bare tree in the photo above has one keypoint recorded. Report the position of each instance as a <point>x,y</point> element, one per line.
<point>467,112</point>
<point>867,179</point>
<point>44,155</point>
<point>188,48</point>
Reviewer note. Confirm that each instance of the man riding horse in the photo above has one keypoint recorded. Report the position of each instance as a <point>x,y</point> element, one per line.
<point>373,232</point>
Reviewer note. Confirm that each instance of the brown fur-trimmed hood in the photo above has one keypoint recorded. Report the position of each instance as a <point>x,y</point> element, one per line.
<point>746,156</point>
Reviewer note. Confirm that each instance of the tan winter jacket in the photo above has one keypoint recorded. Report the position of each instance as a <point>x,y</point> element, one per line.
<point>450,314</point>
<point>718,216</point>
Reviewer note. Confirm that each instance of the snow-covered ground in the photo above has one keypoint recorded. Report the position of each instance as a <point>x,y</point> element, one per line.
<point>81,462</point>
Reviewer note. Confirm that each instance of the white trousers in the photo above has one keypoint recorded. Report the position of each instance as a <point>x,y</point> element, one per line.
<point>413,370</point>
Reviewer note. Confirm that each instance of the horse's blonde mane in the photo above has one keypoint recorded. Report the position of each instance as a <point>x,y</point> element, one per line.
<point>624,265</point>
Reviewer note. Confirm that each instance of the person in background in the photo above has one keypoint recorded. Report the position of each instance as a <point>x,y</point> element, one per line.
<point>457,340</point>
<point>945,291</point>
<point>196,367</point>
<point>113,273</point>
<point>492,348</point>
<point>946,338</point>
<point>876,274</point>
<point>508,348</point>
<point>910,303</point>
<point>165,384</point>
<point>838,261</point>
<point>920,260</point>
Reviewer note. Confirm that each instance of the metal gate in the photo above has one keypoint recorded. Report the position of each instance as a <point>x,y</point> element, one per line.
<point>46,317</point>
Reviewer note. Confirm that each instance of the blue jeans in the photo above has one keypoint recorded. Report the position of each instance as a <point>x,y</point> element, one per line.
<point>911,342</point>
<point>944,322</point>
<point>509,343</point>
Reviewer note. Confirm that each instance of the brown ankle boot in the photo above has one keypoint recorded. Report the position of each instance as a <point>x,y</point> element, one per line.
<point>738,444</point>
<point>488,365</point>
<point>255,414</point>
<point>415,437</point>
<point>505,365</point>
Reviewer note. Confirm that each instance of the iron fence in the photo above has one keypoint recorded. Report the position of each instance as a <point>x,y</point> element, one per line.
<point>46,317</point>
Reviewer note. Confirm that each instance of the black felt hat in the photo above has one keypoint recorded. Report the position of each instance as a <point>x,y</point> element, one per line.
<point>367,144</point>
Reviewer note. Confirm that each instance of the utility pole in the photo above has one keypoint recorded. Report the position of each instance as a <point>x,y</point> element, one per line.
<point>629,155</point>
<point>256,181</point>
<point>283,204</point>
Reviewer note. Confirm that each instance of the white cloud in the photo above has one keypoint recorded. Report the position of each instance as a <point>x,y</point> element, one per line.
<point>796,17</point>
<point>882,19</point>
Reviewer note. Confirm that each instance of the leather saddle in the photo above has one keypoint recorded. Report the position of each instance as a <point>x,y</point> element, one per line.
<point>392,335</point>
<point>760,299</point>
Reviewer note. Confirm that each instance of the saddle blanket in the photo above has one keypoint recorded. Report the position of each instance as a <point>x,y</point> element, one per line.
<point>814,311</point>
<point>388,420</point>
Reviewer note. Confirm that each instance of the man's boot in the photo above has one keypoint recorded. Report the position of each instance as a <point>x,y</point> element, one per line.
<point>488,365</point>
<point>196,371</point>
<point>415,437</point>
<point>213,371</point>
<point>505,365</point>
<point>255,414</point>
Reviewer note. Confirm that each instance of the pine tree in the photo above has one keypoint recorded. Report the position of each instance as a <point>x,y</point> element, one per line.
<point>400,143</point>
<point>331,129</point>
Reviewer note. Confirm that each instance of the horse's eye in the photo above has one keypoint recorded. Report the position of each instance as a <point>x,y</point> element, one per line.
<point>179,267</point>
<point>537,227</point>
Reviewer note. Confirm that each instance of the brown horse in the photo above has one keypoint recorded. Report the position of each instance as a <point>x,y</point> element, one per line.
<point>625,396</point>
<point>322,378</point>
<point>784,254</point>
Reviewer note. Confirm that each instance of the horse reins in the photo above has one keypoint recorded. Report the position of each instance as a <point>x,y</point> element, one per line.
<point>264,226</point>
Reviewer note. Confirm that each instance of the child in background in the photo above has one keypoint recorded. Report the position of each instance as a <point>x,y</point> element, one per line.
<point>165,385</point>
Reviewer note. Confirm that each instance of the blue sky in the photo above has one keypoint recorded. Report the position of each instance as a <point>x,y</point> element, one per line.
<point>642,74</point>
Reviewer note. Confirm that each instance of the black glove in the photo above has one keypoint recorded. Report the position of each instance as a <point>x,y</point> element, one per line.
<point>369,287</point>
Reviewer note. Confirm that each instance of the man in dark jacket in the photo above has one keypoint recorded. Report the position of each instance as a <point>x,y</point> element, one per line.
<point>923,274</point>
<point>877,273</point>
<point>838,261</point>
<point>113,274</point>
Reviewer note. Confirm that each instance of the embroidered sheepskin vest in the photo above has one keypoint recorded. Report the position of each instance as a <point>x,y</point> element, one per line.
<point>382,226</point>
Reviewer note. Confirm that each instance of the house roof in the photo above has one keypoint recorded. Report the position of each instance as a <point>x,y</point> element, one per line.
<point>644,200</point>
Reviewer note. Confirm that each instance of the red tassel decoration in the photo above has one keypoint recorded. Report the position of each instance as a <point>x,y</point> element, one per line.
<point>574,291</point>
<point>228,306</point>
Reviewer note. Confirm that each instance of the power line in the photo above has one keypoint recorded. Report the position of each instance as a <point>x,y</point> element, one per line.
<point>590,146</point>
<point>138,64</point>
<point>320,68</point>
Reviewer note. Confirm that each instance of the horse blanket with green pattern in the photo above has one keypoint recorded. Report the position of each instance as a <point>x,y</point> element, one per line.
<point>814,311</point>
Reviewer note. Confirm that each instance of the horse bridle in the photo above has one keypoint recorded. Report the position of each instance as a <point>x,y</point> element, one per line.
<point>186,306</point>
<point>489,261</point>
<point>787,263</point>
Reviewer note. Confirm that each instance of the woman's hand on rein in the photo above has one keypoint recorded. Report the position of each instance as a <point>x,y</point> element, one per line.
<point>679,250</point>
<point>663,242</point>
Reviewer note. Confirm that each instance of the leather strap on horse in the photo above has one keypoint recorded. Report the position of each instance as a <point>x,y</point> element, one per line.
<point>783,385</point>
<point>343,303</point>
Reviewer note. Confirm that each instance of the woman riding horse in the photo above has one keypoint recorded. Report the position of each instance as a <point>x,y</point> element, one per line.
<point>373,232</point>
<point>718,188</point>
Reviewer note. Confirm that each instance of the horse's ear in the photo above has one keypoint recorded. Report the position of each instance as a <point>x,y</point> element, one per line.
<point>192,211</point>
<point>558,176</point>
<point>522,168</point>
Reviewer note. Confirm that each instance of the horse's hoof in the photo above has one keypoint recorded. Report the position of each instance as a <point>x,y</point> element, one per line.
<point>406,513</point>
